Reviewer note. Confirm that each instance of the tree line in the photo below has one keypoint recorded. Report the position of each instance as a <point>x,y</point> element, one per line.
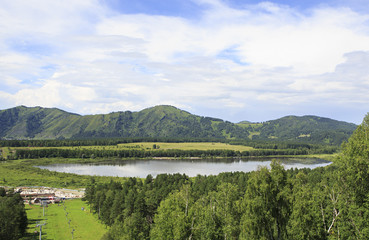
<point>97,141</point>
<point>260,144</point>
<point>266,204</point>
<point>270,203</point>
<point>13,217</point>
<point>284,145</point>
<point>136,153</point>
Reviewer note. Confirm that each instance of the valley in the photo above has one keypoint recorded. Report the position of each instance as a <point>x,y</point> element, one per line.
<point>287,168</point>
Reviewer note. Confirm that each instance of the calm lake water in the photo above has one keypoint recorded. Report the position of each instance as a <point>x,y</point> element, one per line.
<point>142,168</point>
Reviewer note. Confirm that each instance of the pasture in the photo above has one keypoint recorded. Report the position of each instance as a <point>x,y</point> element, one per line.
<point>63,219</point>
<point>146,146</point>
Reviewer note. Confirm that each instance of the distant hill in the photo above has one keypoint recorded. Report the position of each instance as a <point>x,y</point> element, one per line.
<point>163,122</point>
<point>305,128</point>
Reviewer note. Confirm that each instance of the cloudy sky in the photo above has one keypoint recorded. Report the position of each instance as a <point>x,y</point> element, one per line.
<point>232,59</point>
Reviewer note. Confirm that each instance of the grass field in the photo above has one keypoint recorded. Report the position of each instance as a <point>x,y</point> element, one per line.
<point>23,173</point>
<point>62,219</point>
<point>186,146</point>
<point>149,146</point>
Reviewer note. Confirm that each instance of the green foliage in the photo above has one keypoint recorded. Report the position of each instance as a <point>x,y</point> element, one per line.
<point>13,218</point>
<point>23,173</point>
<point>223,207</point>
<point>305,129</point>
<point>141,153</point>
<point>172,220</point>
<point>163,122</point>
<point>267,204</point>
<point>323,203</point>
<point>353,178</point>
<point>130,207</point>
<point>307,206</point>
<point>159,121</point>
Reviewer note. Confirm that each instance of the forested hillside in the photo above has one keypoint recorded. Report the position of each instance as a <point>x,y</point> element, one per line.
<point>164,122</point>
<point>161,121</point>
<point>323,203</point>
<point>306,128</point>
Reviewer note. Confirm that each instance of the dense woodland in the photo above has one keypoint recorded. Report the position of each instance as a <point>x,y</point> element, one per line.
<point>267,204</point>
<point>115,141</point>
<point>86,153</point>
<point>311,129</point>
<point>324,203</point>
<point>29,149</point>
<point>13,218</point>
<point>164,122</point>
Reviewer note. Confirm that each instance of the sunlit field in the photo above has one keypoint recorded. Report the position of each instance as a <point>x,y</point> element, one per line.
<point>150,146</point>
<point>63,219</point>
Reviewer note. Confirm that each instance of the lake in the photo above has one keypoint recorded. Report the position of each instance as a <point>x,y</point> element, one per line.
<point>142,168</point>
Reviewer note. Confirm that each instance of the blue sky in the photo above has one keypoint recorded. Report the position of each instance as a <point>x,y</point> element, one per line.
<point>231,59</point>
<point>193,9</point>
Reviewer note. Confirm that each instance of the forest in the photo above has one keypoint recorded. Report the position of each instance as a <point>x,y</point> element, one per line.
<point>34,149</point>
<point>164,122</point>
<point>65,153</point>
<point>271,203</point>
<point>13,218</point>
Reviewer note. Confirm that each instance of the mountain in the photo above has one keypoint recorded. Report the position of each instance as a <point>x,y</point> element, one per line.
<point>305,128</point>
<point>163,122</point>
<point>160,121</point>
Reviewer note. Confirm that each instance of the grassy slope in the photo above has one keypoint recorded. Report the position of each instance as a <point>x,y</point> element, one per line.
<point>160,121</point>
<point>86,224</point>
<point>254,128</point>
<point>46,122</point>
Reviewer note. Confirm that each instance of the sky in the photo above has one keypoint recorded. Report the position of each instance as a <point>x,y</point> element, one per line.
<point>231,59</point>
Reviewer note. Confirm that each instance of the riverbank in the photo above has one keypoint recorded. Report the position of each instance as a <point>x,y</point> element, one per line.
<point>23,172</point>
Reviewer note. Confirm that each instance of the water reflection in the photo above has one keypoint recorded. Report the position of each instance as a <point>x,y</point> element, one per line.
<point>142,168</point>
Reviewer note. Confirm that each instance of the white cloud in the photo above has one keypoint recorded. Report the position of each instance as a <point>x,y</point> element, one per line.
<point>48,95</point>
<point>268,37</point>
<point>84,57</point>
<point>52,94</point>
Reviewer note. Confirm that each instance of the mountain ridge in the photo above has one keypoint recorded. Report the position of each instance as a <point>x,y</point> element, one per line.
<point>164,121</point>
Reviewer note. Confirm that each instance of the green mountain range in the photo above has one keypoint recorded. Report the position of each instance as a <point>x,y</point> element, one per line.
<point>163,122</point>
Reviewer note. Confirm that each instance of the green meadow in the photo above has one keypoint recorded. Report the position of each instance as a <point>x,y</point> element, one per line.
<point>61,219</point>
<point>187,146</point>
<point>15,173</point>
<point>148,146</point>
